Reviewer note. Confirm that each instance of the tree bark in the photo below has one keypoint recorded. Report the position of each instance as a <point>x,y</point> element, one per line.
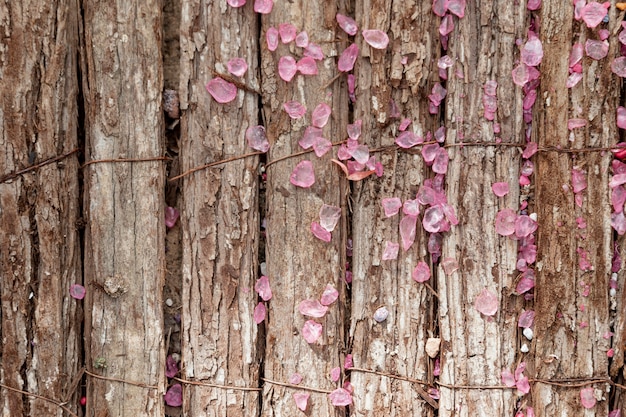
<point>299,265</point>
<point>570,324</point>
<point>39,243</point>
<point>124,242</point>
<point>220,213</point>
<point>397,344</point>
<point>476,348</point>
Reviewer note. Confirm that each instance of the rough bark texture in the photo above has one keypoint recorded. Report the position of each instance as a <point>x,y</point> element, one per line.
<point>396,345</point>
<point>39,247</point>
<point>124,259</point>
<point>475,348</point>
<point>570,326</point>
<point>220,213</point>
<point>299,265</point>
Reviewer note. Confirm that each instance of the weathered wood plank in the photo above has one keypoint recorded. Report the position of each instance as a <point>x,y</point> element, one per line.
<point>570,325</point>
<point>396,345</point>
<point>124,242</point>
<point>220,214</point>
<point>39,245</point>
<point>299,265</point>
<point>476,348</point>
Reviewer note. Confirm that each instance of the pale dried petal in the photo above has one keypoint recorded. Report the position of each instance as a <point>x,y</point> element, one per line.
<point>421,273</point>
<point>408,226</point>
<point>287,67</point>
<point>329,295</point>
<point>320,115</point>
<point>391,251</point>
<point>329,216</point>
<point>596,49</point>
<point>621,117</point>
<point>237,66</point>
<point>262,287</point>
<point>303,175</point>
<point>507,378</point>
<point>391,206</point>
<point>408,139</point>
<point>255,135</point>
<point>312,308</point>
<point>532,52</point>
<point>320,233</point>
<point>340,397</point>
<point>457,7</point>
<point>593,13</point>
<point>301,399</point>
<point>309,137</point>
<point>311,331</point>
<point>487,303</point>
<point>377,39</point>
<point>294,109</point>
<point>526,319</point>
<point>618,66</point>
<point>348,58</point>
<point>347,24</point>
<point>221,91</point>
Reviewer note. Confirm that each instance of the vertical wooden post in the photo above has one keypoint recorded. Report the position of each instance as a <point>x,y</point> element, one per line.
<point>220,215</point>
<point>39,244</point>
<point>124,242</point>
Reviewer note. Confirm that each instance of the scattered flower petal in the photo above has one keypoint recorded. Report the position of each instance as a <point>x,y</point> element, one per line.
<point>596,49</point>
<point>440,7</point>
<point>618,66</point>
<point>348,58</point>
<point>500,189</point>
<point>302,40</point>
<point>457,7</point>
<point>77,291</point>
<point>312,308</point>
<point>340,397</point>
<point>314,51</point>
<point>446,26</point>
<point>347,362</point>
<point>354,129</point>
<point>593,13</point>
<point>433,217</point>
<point>329,216</point>
<point>287,32</point>
<point>576,123</point>
<point>335,373</point>
<point>174,396</point>
<point>526,319</point>
<point>532,52</point>
<point>530,150</point>
<point>263,6</point>
<point>307,66</point>
<point>320,115</point>
<point>301,399</point>
<point>524,226</point>
<point>236,3</point>
<point>271,37</point>
<point>294,109</point>
<point>421,273</point>
<point>321,146</point>
<point>329,295</point>
<point>579,182</point>
<point>262,287</point>
<point>377,39</point>
<point>391,206</point>
<point>523,385</point>
<point>408,139</point>
<point>171,216</point>
<point>507,378</point>
<point>408,226</point>
<point>621,117</point>
<point>449,265</point>
<point>255,135</point>
<point>171,367</point>
<point>295,378</point>
<point>320,233</point>
<point>260,312</point>
<point>587,398</point>
<point>303,175</point>
<point>311,331</point>
<point>487,303</point>
<point>287,67</point>
<point>221,91</point>
<point>237,66</point>
<point>347,24</point>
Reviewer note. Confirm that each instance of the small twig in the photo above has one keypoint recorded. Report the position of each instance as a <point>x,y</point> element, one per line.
<point>74,385</point>
<point>212,164</point>
<point>431,289</point>
<point>332,80</point>
<point>207,384</point>
<point>30,394</point>
<point>575,382</point>
<point>299,387</point>
<point>292,155</point>
<point>48,161</point>
<point>123,381</point>
<point>99,161</point>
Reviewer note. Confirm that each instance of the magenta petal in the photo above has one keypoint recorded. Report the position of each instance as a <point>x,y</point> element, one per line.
<point>312,308</point>
<point>301,399</point>
<point>271,36</point>
<point>237,66</point>
<point>408,226</point>
<point>526,319</point>
<point>259,314</point>
<point>446,26</point>
<point>347,24</point>
<point>433,219</point>
<point>287,32</point>
<point>377,39</point>
<point>593,13</point>
<point>391,206</point>
<point>429,152</point>
<point>421,273</point>
<point>618,66</point>
<point>335,373</point>
<point>500,189</point>
<point>303,175</point>
<point>294,109</point>
<point>524,226</point>
<point>523,385</point>
<point>348,58</point>
<point>531,149</point>
<point>404,124</point>
<point>340,397</point>
<point>486,303</point>
<point>174,396</point>
<point>596,49</point>
<point>329,216</point>
<point>77,291</point>
<point>171,367</point>
<point>320,233</point>
<point>307,66</point>
<point>311,331</point>
<point>391,251</point>
<point>440,7</point>
<point>263,6</point>
<point>287,67</point>
<point>617,180</point>
<point>329,295</point>
<point>262,287</point>
<point>222,91</point>
<point>457,7</point>
<point>587,398</point>
<point>171,215</point>
<point>618,198</point>
<point>320,115</point>
<point>533,4</point>
<point>236,3</point>
<point>618,222</point>
<point>621,117</point>
<point>526,283</point>
<point>255,135</point>
<point>302,39</point>
<point>579,182</point>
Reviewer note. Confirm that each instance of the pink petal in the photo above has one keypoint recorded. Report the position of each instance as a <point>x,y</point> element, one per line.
<point>438,93</point>
<point>440,7</point>
<point>587,398</point>
<point>579,182</point>
<point>391,251</point>
<point>446,26</point>
<point>171,215</point>
<point>77,291</point>
<point>421,273</point>
<point>259,313</point>
<point>524,226</point>
<point>411,207</point>
<point>507,378</point>
<point>615,413</point>
<point>440,165</point>
<point>593,13</point>
<point>236,3</point>
<point>533,4</point>
<point>347,362</point>
<point>307,66</point>
<point>618,198</point>
<point>312,308</point>
<point>532,52</point>
<point>335,373</point>
<point>519,370</point>
<point>433,219</point>
<point>263,6</point>
<point>618,222</point>
<point>531,149</point>
<point>303,175</point>
<point>596,49</point>
<point>445,62</point>
<point>347,24</point>
<point>171,367</point>
<point>391,206</point>
<point>320,233</point>
<point>302,40</point>
<point>309,137</point>
<point>348,58</point>
<point>329,216</point>
<point>404,124</point>
<point>573,79</point>
<point>287,32</point>
<point>621,117</point>
<point>408,139</point>
<point>429,152</point>
<point>500,189</point>
<point>618,66</point>
<point>354,129</point>
<point>271,37</point>
<point>449,265</point>
<point>294,109</point>
<point>221,91</point>
<point>526,319</point>
<point>521,75</point>
<point>377,39</point>
<point>320,115</point>
<point>329,295</point>
<point>523,385</point>
<point>321,146</point>
<point>486,303</point>
<point>526,283</point>
<point>457,7</point>
<point>314,51</point>
<point>340,397</point>
<point>262,287</point>
<point>311,331</point>
<point>237,66</point>
<point>617,180</point>
<point>174,396</point>
<point>576,55</point>
<point>361,154</point>
<point>287,67</point>
<point>295,378</point>
<point>301,399</point>
<point>408,226</point>
<point>255,135</point>
<point>576,123</point>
